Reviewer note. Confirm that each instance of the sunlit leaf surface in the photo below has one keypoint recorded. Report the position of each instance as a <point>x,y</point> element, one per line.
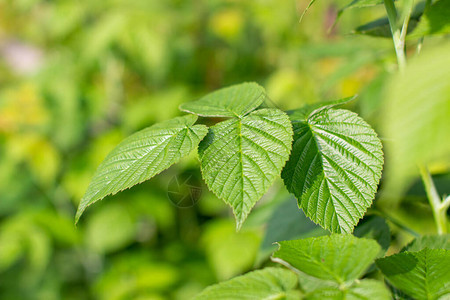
<point>143,155</point>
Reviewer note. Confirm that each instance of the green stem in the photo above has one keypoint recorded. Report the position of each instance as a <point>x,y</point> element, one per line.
<point>439,209</point>
<point>406,17</point>
<point>445,203</point>
<point>396,33</point>
<point>399,33</point>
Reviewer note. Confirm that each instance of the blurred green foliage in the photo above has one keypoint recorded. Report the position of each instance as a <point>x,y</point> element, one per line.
<point>76,77</point>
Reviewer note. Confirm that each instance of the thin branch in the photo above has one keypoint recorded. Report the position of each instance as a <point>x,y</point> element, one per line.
<point>440,215</point>
<point>396,34</point>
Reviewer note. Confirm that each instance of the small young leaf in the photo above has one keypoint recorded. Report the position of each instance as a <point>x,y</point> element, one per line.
<point>358,4</point>
<point>141,156</point>
<point>241,157</point>
<point>430,242</point>
<point>366,289</point>
<point>362,3</point>
<point>334,168</point>
<point>422,275</point>
<point>269,283</point>
<point>377,28</point>
<point>340,258</point>
<point>234,101</point>
<point>303,112</point>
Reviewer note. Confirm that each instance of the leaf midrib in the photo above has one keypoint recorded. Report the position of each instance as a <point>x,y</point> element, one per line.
<point>136,160</point>
<point>239,223</point>
<point>315,137</point>
<point>324,177</point>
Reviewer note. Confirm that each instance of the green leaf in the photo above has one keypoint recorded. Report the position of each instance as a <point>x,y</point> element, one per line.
<point>112,218</point>
<point>422,275</point>
<point>358,4</point>
<point>303,112</point>
<point>340,258</point>
<point>141,156</point>
<point>309,283</point>
<point>366,289</point>
<point>234,101</point>
<point>362,3</point>
<point>223,248</point>
<point>377,28</point>
<point>334,168</point>
<point>415,118</point>
<point>381,27</point>
<point>434,21</point>
<point>430,242</point>
<point>241,157</point>
<point>269,283</point>
<point>133,274</point>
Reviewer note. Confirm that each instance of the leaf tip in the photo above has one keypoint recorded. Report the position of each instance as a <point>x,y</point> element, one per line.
<point>239,224</point>
<point>78,215</point>
<point>240,219</point>
<point>181,107</point>
<point>306,10</point>
<point>81,208</point>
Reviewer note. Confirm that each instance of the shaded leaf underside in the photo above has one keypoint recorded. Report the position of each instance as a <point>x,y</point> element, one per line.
<point>233,101</point>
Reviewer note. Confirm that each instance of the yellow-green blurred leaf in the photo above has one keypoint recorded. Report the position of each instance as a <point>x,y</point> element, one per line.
<point>110,229</point>
<point>230,253</point>
<point>416,117</point>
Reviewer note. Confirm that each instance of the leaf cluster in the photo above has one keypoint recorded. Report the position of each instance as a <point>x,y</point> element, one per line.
<point>337,266</point>
<point>330,159</point>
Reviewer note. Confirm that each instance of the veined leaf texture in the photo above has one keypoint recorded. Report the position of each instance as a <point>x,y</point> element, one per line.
<point>334,168</point>
<point>143,155</point>
<point>241,157</point>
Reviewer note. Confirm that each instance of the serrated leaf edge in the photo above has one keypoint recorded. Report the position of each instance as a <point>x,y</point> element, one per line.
<point>81,208</point>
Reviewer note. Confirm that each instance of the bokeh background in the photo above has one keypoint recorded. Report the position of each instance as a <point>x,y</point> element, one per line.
<point>76,77</point>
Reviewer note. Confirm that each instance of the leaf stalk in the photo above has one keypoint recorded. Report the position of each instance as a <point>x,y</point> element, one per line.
<point>439,208</point>
<point>399,32</point>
